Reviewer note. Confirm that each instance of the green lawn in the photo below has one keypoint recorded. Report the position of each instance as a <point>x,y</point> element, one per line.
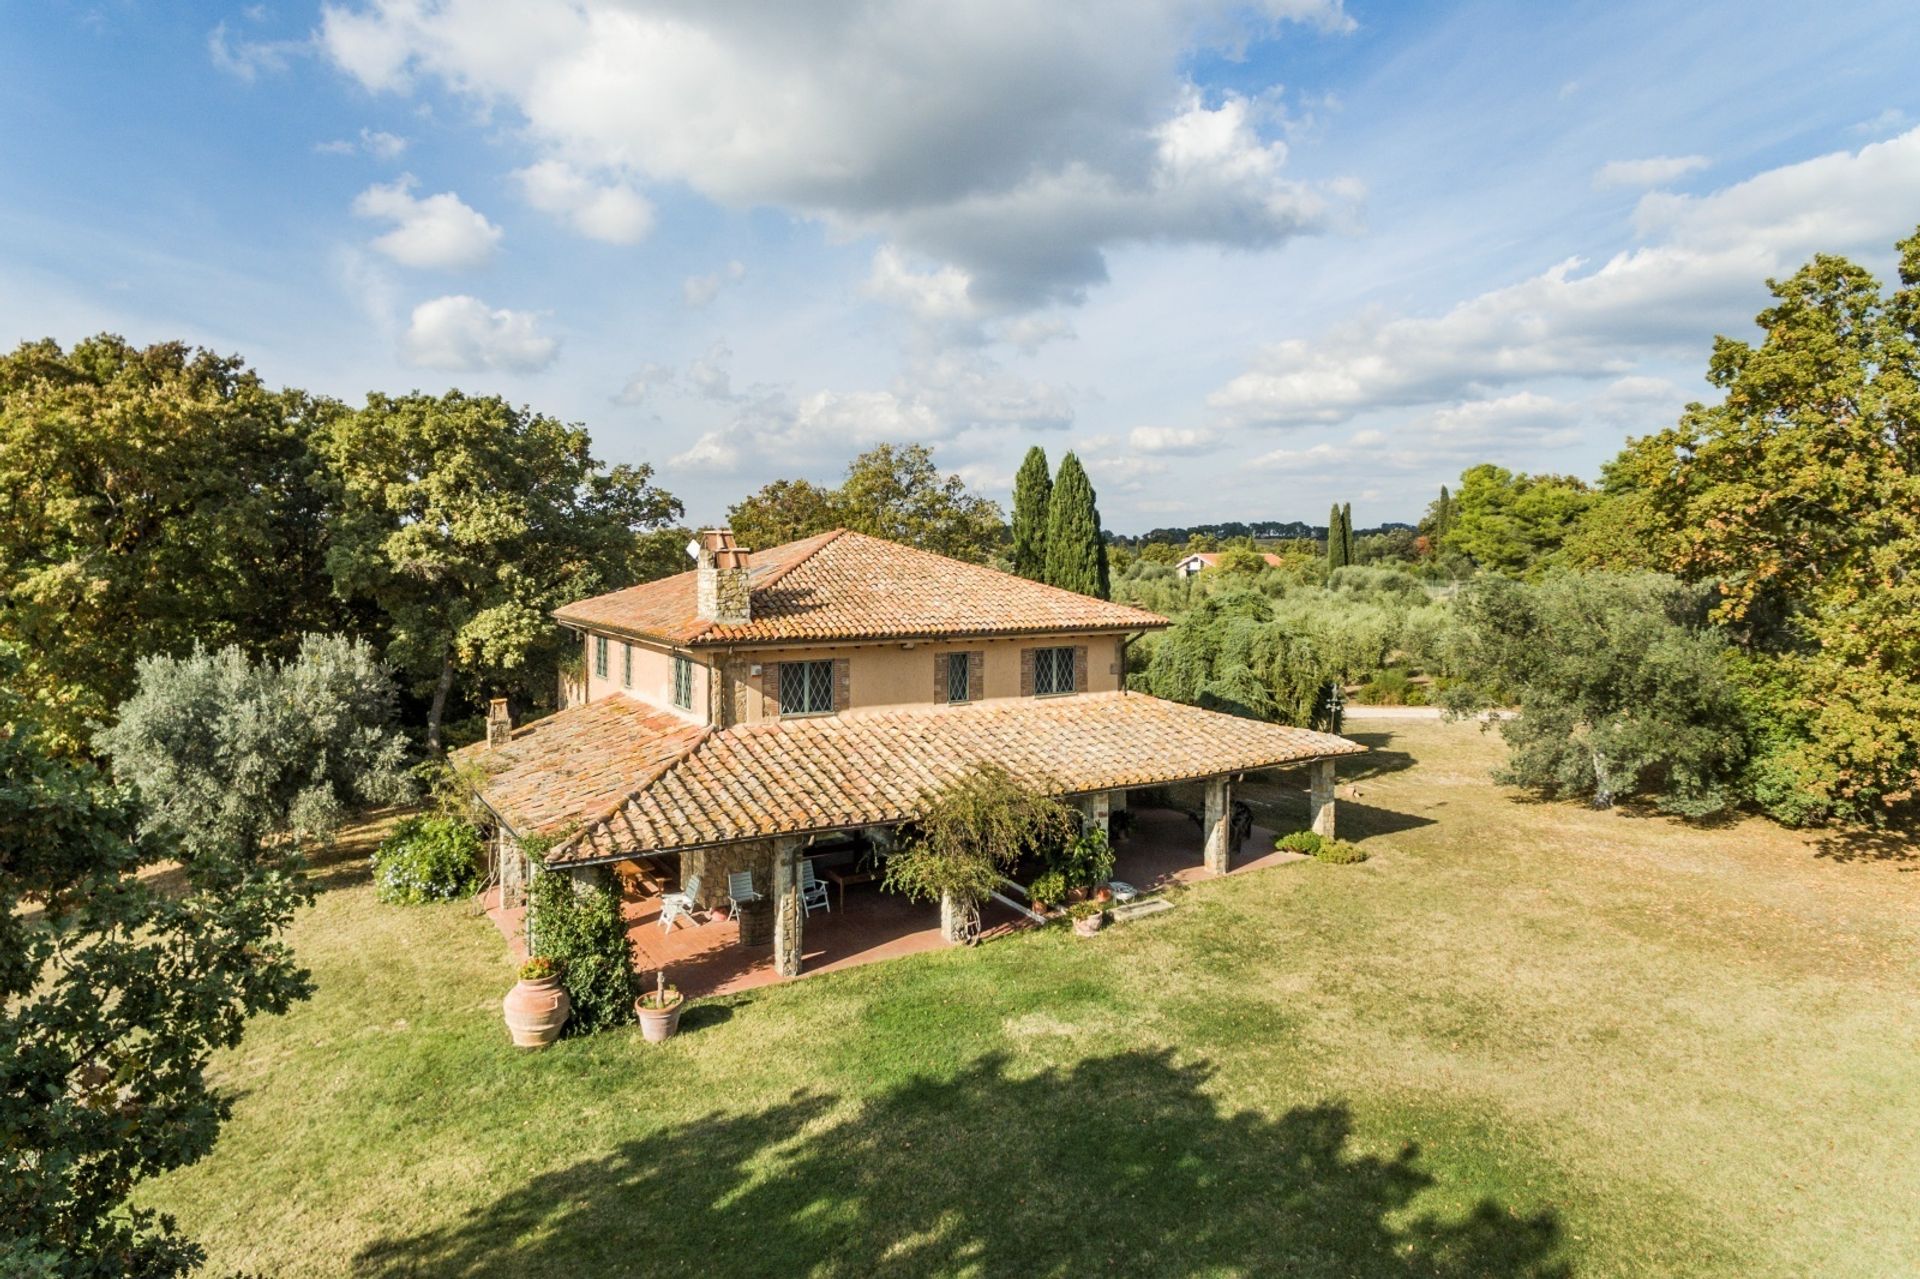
<point>1522,1038</point>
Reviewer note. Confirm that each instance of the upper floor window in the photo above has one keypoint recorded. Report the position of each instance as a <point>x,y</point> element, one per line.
<point>683,681</point>
<point>600,656</point>
<point>626,665</point>
<point>959,677</point>
<point>1052,670</point>
<point>806,688</point>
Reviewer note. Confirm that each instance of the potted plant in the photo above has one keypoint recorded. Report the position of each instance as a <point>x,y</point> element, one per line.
<point>537,1006</point>
<point>659,1010</point>
<point>1088,918</point>
<point>1047,890</point>
<point>1103,894</point>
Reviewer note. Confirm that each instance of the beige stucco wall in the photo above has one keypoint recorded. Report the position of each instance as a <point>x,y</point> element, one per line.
<point>880,676</point>
<point>652,676</point>
<point>884,676</point>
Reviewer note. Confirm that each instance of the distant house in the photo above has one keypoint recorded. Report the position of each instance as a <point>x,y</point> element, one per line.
<point>1210,559</point>
<point>768,702</point>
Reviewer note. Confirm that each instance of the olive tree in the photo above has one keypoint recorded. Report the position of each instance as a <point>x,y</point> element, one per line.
<point>227,750</point>
<point>115,988</point>
<point>1623,689</point>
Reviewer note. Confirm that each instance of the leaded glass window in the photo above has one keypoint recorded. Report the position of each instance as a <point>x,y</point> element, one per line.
<point>1052,670</point>
<point>959,683</point>
<point>683,681</point>
<point>806,688</point>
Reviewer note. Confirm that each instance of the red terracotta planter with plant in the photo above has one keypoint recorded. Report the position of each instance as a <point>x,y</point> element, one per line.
<point>537,1006</point>
<point>659,1011</point>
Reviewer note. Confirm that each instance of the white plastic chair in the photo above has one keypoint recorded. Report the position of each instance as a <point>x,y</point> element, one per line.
<point>813,892</point>
<point>740,889</point>
<point>674,905</point>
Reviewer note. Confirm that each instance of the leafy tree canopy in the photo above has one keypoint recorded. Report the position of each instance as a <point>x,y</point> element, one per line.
<point>114,991</point>
<point>893,491</point>
<point>149,499</point>
<point>1513,524</point>
<point>1798,498</point>
<point>465,520</point>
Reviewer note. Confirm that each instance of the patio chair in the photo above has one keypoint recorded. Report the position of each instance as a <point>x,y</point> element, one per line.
<point>813,892</point>
<point>674,905</point>
<point>739,889</point>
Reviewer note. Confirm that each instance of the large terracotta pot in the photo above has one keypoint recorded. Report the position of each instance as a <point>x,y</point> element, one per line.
<point>535,1011</point>
<point>657,1024</point>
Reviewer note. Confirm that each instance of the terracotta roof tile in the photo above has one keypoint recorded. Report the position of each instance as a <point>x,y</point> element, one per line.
<point>844,585</point>
<point>574,766</point>
<point>794,776</point>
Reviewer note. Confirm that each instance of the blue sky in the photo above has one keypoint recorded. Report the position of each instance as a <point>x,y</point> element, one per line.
<point>1247,260</point>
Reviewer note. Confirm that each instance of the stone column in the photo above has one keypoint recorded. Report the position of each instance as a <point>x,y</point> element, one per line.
<point>789,919</point>
<point>1097,807</point>
<point>958,922</point>
<point>587,878</point>
<point>1218,855</point>
<point>1320,798</point>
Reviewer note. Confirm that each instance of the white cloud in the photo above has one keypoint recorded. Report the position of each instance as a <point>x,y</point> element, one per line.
<point>247,59</point>
<point>377,143</point>
<point>647,379</point>
<point>1653,171</point>
<point>439,231</point>
<point>612,212</point>
<point>1174,439</point>
<point>1891,120</point>
<point>1013,141</point>
<point>1701,267</point>
<point>937,398</point>
<point>700,290</point>
<point>464,333</point>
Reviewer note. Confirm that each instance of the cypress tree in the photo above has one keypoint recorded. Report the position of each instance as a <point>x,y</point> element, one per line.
<point>1336,540</point>
<point>1346,533</point>
<point>1032,499</point>
<point>1076,551</point>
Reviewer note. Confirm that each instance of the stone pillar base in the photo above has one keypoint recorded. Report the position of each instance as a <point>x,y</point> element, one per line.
<point>789,919</point>
<point>1218,853</point>
<point>1320,805</point>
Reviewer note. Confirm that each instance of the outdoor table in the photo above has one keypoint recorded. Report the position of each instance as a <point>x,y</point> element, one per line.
<point>844,875</point>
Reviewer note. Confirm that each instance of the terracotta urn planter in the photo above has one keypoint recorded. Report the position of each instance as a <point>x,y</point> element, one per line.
<point>536,1008</point>
<point>1104,894</point>
<point>659,1014</point>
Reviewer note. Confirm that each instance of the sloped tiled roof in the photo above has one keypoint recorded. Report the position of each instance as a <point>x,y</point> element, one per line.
<point>794,776</point>
<point>845,586</point>
<point>574,766</point>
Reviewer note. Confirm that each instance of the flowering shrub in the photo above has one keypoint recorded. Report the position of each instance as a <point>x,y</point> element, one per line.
<point>427,859</point>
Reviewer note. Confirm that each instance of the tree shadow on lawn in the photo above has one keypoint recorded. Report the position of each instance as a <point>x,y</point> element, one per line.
<point>1121,1163</point>
<point>1848,846</point>
<point>1377,762</point>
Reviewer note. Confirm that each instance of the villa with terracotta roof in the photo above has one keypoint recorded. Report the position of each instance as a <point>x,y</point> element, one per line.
<point>806,701</point>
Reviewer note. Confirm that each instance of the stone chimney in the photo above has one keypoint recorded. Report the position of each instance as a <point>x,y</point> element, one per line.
<point>721,591</point>
<point>499,723</point>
